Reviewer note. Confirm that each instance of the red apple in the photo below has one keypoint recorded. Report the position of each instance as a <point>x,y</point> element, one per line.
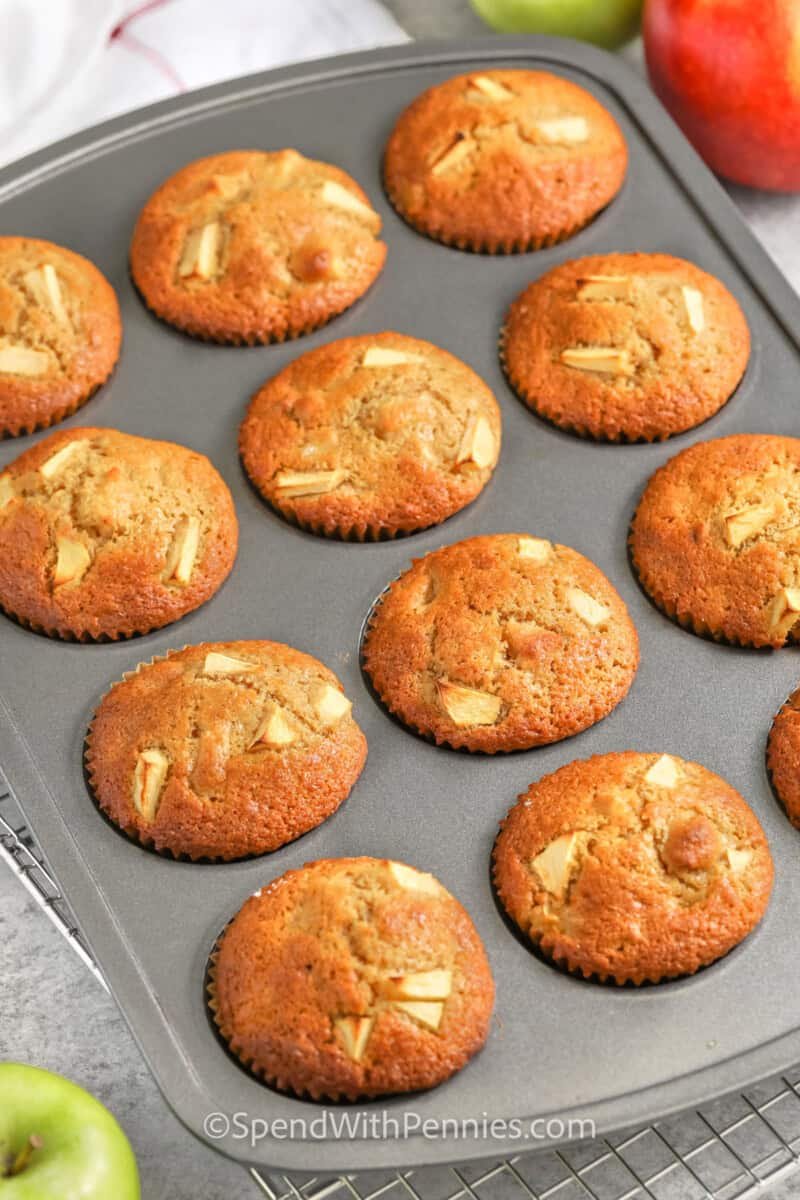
<point>729,73</point>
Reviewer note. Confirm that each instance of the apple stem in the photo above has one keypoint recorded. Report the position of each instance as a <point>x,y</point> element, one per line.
<point>21,1160</point>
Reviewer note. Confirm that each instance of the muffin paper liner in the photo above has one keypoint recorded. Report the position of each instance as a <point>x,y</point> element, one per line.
<point>260,338</point>
<point>492,246</point>
<point>65,634</point>
<point>61,414</point>
<point>363,532</point>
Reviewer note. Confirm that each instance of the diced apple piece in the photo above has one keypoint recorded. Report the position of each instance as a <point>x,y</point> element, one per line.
<point>410,879</point>
<point>785,610</point>
<point>309,483</point>
<point>663,773</point>
<point>230,186</point>
<point>605,287</point>
<point>536,549</point>
<point>491,88</point>
<point>453,155</point>
<point>426,1012</point>
<point>384,356</point>
<point>202,252</point>
<point>554,864</point>
<point>58,461</point>
<point>748,522</point>
<point>695,314</point>
<point>467,706</point>
<point>587,608</point>
<point>329,703</point>
<point>182,556</point>
<point>72,561</point>
<point>224,664</point>
<point>21,360</point>
<point>604,360</point>
<point>354,1033</point>
<point>738,860</point>
<point>44,286</point>
<point>149,777</point>
<point>422,985</point>
<point>283,164</point>
<point>563,130</point>
<point>6,491</point>
<point>341,197</point>
<point>274,731</point>
<point>478,444</point>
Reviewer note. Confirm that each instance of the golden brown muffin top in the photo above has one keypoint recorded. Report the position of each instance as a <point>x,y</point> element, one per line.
<point>103,533</point>
<point>224,749</point>
<point>501,642</point>
<point>633,866</point>
<point>716,538</point>
<point>352,977</point>
<point>255,246</point>
<point>783,756</point>
<point>626,346</point>
<point>60,332</point>
<point>373,434</point>
<point>504,159</point>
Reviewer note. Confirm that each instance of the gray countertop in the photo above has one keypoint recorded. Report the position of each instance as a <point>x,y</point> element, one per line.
<point>56,1015</point>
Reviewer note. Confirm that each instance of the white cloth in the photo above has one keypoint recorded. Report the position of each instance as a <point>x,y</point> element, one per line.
<point>63,67</point>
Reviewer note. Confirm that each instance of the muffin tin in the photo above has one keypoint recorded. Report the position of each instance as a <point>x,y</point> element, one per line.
<point>559,1046</point>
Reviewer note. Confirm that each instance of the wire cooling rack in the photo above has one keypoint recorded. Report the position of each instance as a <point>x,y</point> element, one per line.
<point>735,1148</point>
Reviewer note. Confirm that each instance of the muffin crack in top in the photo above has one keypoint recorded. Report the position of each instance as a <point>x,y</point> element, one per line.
<point>253,246</point>
<point>26,353</point>
<point>352,977</point>
<point>47,311</point>
<point>429,974</point>
<point>501,642</point>
<point>716,539</point>
<point>59,333</point>
<point>761,507</point>
<point>625,347</point>
<point>504,160</point>
<point>224,749</point>
<point>85,487</point>
<point>371,436</point>
<point>114,534</point>
<point>633,866</point>
<point>468,145</point>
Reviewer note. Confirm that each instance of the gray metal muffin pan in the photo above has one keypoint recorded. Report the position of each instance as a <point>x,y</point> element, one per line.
<point>558,1046</point>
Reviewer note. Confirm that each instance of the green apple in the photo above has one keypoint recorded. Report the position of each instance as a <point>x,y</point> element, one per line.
<point>608,23</point>
<point>58,1143</point>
